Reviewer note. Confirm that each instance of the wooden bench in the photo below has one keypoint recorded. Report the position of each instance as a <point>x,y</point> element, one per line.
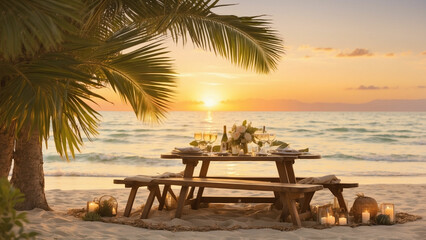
<point>335,188</point>
<point>152,187</point>
<point>288,192</point>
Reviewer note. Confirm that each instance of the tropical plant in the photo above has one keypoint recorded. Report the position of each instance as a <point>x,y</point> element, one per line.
<point>54,54</point>
<point>11,223</point>
<point>92,216</point>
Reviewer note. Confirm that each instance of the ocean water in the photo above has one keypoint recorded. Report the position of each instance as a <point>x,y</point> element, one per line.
<point>364,147</point>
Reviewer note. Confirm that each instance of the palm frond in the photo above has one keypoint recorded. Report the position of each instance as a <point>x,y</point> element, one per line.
<point>142,77</point>
<point>249,42</point>
<point>50,94</point>
<point>27,27</point>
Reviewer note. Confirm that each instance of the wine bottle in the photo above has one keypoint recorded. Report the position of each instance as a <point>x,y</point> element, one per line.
<point>264,129</point>
<point>224,141</point>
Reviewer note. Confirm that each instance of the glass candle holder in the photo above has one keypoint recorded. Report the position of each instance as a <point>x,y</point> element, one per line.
<point>388,209</point>
<point>109,206</point>
<point>343,217</point>
<point>325,215</point>
<point>92,206</point>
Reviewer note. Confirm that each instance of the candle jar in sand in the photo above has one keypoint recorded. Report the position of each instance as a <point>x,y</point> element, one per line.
<point>325,215</point>
<point>388,209</point>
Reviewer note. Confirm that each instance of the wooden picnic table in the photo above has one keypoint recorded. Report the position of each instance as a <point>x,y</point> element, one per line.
<point>284,164</point>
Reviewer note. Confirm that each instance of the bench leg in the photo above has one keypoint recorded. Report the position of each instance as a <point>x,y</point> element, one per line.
<point>291,204</point>
<point>153,192</point>
<point>163,197</point>
<point>130,201</point>
<point>338,193</point>
<point>181,201</point>
<point>306,202</point>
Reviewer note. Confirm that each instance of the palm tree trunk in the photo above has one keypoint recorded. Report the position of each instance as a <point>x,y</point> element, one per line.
<point>6,142</point>
<point>28,173</point>
<point>6,150</point>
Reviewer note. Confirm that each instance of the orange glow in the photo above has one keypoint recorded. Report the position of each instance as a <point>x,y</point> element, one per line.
<point>351,68</point>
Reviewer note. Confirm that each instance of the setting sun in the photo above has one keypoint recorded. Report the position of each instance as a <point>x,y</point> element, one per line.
<point>210,102</point>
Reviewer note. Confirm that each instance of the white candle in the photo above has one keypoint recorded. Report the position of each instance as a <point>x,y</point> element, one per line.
<point>323,220</point>
<point>343,221</point>
<point>389,212</point>
<point>365,217</point>
<point>93,207</point>
<point>331,220</point>
<point>114,211</point>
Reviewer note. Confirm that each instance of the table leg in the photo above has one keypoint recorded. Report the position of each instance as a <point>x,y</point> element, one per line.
<point>291,204</point>
<point>290,171</point>
<point>189,172</point>
<point>181,201</point>
<point>282,172</point>
<point>203,173</point>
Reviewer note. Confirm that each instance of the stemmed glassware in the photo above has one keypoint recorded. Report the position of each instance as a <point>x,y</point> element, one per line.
<point>262,138</point>
<point>198,136</point>
<point>210,138</point>
<point>271,139</point>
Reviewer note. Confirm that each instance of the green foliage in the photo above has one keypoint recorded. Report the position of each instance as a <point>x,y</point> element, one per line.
<point>11,223</point>
<point>105,209</point>
<point>280,144</point>
<point>304,150</point>
<point>216,148</point>
<point>196,144</point>
<point>65,49</point>
<point>92,216</point>
<point>383,219</point>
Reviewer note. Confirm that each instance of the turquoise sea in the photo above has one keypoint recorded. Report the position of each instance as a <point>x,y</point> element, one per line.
<point>364,147</point>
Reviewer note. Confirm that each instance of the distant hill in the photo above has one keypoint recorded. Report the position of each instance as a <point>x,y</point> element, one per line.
<point>417,105</point>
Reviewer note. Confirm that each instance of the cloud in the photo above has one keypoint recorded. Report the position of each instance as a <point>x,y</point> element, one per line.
<point>390,54</point>
<point>423,53</point>
<point>327,49</point>
<point>421,87</point>
<point>371,87</point>
<point>211,83</point>
<point>358,52</point>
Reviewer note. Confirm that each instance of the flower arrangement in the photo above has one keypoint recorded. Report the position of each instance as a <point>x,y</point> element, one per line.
<point>242,135</point>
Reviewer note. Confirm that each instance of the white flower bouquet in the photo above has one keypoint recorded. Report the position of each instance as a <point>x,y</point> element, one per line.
<point>242,135</point>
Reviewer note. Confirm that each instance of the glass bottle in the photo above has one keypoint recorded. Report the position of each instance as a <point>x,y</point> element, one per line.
<point>224,140</point>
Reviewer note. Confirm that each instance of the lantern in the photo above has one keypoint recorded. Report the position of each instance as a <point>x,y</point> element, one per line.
<point>388,209</point>
<point>108,206</point>
<point>325,215</point>
<point>92,206</point>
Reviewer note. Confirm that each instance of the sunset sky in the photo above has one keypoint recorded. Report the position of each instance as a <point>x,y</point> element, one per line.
<point>336,52</point>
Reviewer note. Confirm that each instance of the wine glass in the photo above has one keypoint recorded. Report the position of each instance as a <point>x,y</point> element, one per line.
<point>210,138</point>
<point>271,139</point>
<point>259,136</point>
<point>198,136</point>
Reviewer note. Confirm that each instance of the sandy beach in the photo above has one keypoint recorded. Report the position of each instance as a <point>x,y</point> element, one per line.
<point>58,225</point>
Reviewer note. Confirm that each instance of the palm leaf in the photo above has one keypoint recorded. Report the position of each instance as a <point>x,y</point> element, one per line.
<point>28,27</point>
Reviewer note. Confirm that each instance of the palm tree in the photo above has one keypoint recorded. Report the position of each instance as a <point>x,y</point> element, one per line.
<point>55,53</point>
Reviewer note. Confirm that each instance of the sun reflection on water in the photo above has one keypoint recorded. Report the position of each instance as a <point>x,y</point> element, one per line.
<point>209,117</point>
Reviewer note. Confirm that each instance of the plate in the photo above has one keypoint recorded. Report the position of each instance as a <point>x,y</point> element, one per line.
<point>287,153</point>
<point>188,153</point>
<point>222,154</point>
